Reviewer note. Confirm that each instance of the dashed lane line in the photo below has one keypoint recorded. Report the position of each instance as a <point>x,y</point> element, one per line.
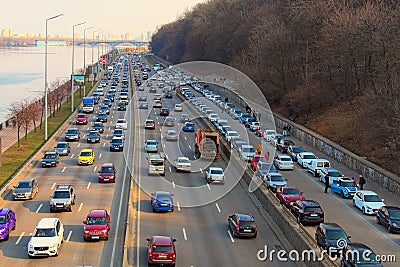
<point>19,238</point>
<point>184,233</point>
<point>219,210</point>
<point>88,185</point>
<point>80,207</point>
<point>40,206</point>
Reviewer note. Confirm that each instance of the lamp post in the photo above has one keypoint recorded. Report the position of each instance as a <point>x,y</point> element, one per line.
<point>72,72</point>
<point>84,59</point>
<point>45,79</point>
<point>92,58</point>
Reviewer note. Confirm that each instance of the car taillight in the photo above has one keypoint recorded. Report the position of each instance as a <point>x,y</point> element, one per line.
<point>255,227</point>
<point>304,213</point>
<point>147,146</point>
<point>211,178</point>
<point>155,203</point>
<point>237,227</point>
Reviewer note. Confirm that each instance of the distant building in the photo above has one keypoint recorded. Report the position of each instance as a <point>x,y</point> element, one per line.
<point>6,33</point>
<point>148,35</point>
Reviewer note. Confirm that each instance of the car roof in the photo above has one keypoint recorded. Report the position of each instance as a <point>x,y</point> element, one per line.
<point>307,153</point>
<point>185,158</point>
<point>367,192</point>
<point>28,180</point>
<point>4,211</point>
<point>151,140</point>
<point>107,165</point>
<point>331,226</point>
<point>284,156</point>
<point>245,217</point>
<point>215,168</point>
<point>117,138</point>
<point>309,203</point>
<point>359,246</point>
<point>47,223</point>
<point>63,143</point>
<point>97,213</point>
<point>162,240</point>
<point>50,152</point>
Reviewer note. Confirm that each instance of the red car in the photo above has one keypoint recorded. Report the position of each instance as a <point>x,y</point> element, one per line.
<point>107,173</point>
<point>260,131</point>
<point>254,161</point>
<point>82,119</point>
<point>287,194</point>
<point>161,250</point>
<point>97,225</point>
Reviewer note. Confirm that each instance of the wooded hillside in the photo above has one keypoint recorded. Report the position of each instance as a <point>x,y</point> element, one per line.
<point>331,65</point>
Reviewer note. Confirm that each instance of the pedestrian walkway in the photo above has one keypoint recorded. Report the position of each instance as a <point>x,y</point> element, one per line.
<point>9,137</point>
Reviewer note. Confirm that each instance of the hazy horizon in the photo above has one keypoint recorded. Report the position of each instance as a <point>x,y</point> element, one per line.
<point>113,17</point>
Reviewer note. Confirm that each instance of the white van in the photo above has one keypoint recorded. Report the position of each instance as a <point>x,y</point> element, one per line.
<point>315,166</point>
<point>156,164</point>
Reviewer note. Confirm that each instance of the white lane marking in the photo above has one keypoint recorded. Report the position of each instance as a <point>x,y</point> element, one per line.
<point>79,144</point>
<point>156,118</point>
<point>163,145</point>
<point>100,156</point>
<point>201,170</point>
<point>190,147</point>
<point>80,207</point>
<point>179,207</point>
<point>69,236</point>
<point>104,144</point>
<point>208,185</point>
<point>169,169</point>
<point>84,136</point>
<point>95,168</point>
<point>219,210</point>
<point>72,156</point>
<point>160,129</point>
<point>173,184</point>
<point>185,137</point>
<point>166,156</point>
<point>112,117</point>
<point>158,122</point>
<point>63,170</point>
<point>194,157</point>
<point>54,184</point>
<point>184,233</point>
<point>88,128</point>
<point>231,237</point>
<point>40,206</point>
<point>88,185</point>
<point>107,136</point>
<point>19,238</point>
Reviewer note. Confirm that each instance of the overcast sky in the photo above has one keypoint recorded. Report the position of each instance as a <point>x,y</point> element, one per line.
<point>116,17</point>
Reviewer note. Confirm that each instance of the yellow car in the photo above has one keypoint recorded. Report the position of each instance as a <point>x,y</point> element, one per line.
<point>86,157</point>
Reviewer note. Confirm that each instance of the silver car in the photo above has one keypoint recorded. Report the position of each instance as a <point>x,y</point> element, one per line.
<point>26,189</point>
<point>171,135</point>
<point>62,148</point>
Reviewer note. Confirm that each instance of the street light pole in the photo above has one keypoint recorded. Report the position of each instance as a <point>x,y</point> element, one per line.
<point>72,72</point>
<point>84,59</point>
<point>92,58</point>
<point>45,79</point>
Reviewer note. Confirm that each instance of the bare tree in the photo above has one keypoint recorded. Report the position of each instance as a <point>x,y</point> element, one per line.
<point>17,114</point>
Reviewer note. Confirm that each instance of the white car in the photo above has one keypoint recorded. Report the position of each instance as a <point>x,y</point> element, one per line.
<point>283,162</point>
<point>304,158</point>
<point>367,201</point>
<point>178,107</point>
<point>171,135</point>
<point>247,152</point>
<point>230,134</point>
<point>121,124</point>
<point>213,117</point>
<point>254,126</point>
<point>268,134</point>
<point>215,175</point>
<point>47,238</point>
<point>183,164</point>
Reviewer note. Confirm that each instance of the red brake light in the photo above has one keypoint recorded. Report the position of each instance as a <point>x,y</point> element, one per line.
<point>210,177</point>
<point>255,227</point>
<point>237,227</point>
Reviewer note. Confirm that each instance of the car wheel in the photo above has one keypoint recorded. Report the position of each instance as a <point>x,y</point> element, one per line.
<point>378,221</point>
<point>389,229</point>
<point>15,225</point>
<point>341,194</point>
<point>56,255</point>
<point>70,208</point>
<point>298,220</point>
<point>7,237</point>
<point>354,203</point>
<point>255,235</point>
<point>342,263</point>
<point>363,210</point>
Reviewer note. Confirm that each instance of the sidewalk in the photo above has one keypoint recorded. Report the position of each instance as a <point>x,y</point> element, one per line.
<point>8,135</point>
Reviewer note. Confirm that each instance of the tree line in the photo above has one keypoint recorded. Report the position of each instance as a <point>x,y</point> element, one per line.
<point>331,65</point>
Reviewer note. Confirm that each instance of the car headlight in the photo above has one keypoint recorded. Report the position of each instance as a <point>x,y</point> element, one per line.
<point>28,193</point>
<point>51,203</point>
<point>54,245</point>
<point>2,230</point>
<point>395,224</point>
<point>369,208</point>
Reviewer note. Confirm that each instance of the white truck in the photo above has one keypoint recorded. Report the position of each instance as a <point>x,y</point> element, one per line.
<point>156,164</point>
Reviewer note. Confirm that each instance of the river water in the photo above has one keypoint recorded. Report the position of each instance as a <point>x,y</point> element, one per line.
<point>22,71</point>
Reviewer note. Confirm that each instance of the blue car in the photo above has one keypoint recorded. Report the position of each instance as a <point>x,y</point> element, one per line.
<point>345,187</point>
<point>162,201</point>
<point>244,117</point>
<point>151,146</point>
<point>188,127</point>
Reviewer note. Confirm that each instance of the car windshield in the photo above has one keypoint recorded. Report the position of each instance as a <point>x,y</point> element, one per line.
<point>49,156</point>
<point>291,191</point>
<point>62,145</point>
<point>121,121</point>
<point>277,178</point>
<point>45,232</point>
<point>217,172</point>
<point>184,161</point>
<point>162,248</point>
<point>233,134</point>
<point>96,124</point>
<point>116,141</point>
<point>107,170</point>
<point>246,224</point>
<point>81,116</point>
<point>2,219</point>
<point>334,174</point>
<point>348,184</point>
<point>297,149</point>
<point>395,215</point>
<point>94,133</point>
<point>248,150</point>
<point>372,198</point>
<point>96,221</point>
<point>86,154</point>
<point>24,185</point>
<point>336,234</point>
<point>190,124</point>
<point>157,162</point>
<point>102,115</point>
<point>72,132</point>
<point>313,209</point>
<point>285,159</point>
<point>151,143</point>
<point>171,133</point>
<point>163,196</point>
<point>103,108</point>
<point>309,157</point>
<point>61,194</point>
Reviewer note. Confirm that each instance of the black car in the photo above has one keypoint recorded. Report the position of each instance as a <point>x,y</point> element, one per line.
<point>101,117</point>
<point>50,159</point>
<point>164,112</point>
<point>168,95</point>
<point>107,102</point>
<point>93,137</point>
<point>117,144</point>
<point>328,235</point>
<point>122,106</point>
<point>357,254</point>
<point>242,225</point>
<point>283,145</point>
<point>98,126</point>
<point>292,151</point>
<point>389,217</point>
<point>307,211</point>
